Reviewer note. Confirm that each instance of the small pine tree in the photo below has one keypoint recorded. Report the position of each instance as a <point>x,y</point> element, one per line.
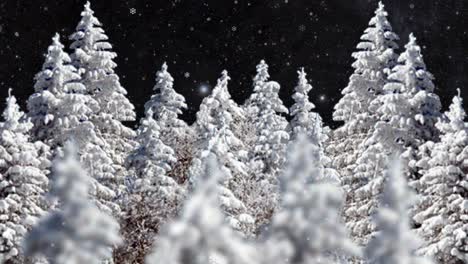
<point>78,232</point>
<point>154,196</point>
<point>441,211</point>
<point>307,228</point>
<point>395,242</point>
<point>23,181</point>
<point>93,58</point>
<point>200,235</point>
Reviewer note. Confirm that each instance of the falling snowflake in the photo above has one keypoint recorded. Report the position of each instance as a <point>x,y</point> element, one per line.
<point>133,11</point>
<point>187,75</point>
<point>234,28</point>
<point>302,28</point>
<point>17,34</point>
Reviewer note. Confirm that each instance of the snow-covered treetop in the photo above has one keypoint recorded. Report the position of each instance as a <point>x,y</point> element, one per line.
<point>456,116</point>
<point>12,116</point>
<point>411,74</point>
<point>166,104</point>
<point>89,35</point>
<point>395,243</point>
<point>262,75</point>
<point>379,35</point>
<point>374,59</point>
<point>218,109</point>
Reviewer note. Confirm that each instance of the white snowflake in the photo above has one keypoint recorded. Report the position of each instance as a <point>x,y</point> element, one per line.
<point>187,75</point>
<point>234,28</point>
<point>302,28</point>
<point>133,11</point>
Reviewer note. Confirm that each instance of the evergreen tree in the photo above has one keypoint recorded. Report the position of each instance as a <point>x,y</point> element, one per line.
<point>307,228</point>
<point>23,181</point>
<point>154,196</point>
<point>408,112</point>
<point>93,58</point>
<point>395,242</point>
<point>200,235</point>
<point>60,110</point>
<point>442,209</point>
<point>304,121</point>
<point>374,57</point>
<point>213,124</point>
<point>78,232</point>
<point>167,105</point>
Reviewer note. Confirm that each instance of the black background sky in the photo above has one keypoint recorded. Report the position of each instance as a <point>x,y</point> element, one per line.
<point>200,38</point>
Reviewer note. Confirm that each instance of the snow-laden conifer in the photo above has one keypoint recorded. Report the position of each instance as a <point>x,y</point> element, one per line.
<point>167,105</point>
<point>374,58</point>
<point>442,210</point>
<point>200,235</point>
<point>395,241</point>
<point>93,58</point>
<point>213,126</point>
<point>60,110</point>
<point>408,112</point>
<point>23,181</point>
<point>77,232</point>
<point>308,228</point>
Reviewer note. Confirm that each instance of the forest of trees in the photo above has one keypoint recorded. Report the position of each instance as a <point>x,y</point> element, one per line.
<point>254,183</point>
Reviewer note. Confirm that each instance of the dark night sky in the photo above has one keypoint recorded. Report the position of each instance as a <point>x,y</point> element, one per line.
<point>200,38</point>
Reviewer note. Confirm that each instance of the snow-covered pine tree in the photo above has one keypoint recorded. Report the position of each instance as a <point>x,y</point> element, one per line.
<point>245,128</point>
<point>93,58</point>
<point>167,105</point>
<point>306,122</point>
<point>442,211</point>
<point>395,242</point>
<point>23,181</point>
<point>374,57</point>
<point>307,228</point>
<point>408,112</point>
<point>154,196</point>
<point>60,110</point>
<point>213,127</point>
<point>272,137</point>
<point>77,232</point>
<point>200,235</point>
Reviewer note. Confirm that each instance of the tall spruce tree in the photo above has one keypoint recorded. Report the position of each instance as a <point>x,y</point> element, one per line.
<point>60,110</point>
<point>23,181</point>
<point>374,58</point>
<point>408,112</point>
<point>213,126</point>
<point>442,210</point>
<point>93,58</point>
